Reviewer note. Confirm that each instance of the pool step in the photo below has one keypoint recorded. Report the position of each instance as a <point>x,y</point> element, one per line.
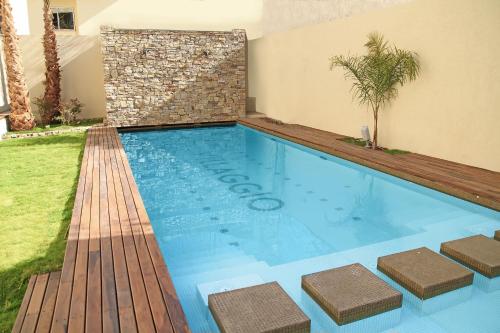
<point>424,273</point>
<point>238,282</point>
<point>213,263</point>
<point>479,253</point>
<point>223,273</point>
<point>183,249</point>
<point>351,293</point>
<point>204,256</point>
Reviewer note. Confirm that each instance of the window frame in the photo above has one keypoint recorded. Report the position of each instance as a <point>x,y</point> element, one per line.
<point>63,10</point>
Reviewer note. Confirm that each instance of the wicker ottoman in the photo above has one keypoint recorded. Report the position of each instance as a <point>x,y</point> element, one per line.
<point>351,293</point>
<point>479,253</point>
<point>425,273</point>
<point>262,308</point>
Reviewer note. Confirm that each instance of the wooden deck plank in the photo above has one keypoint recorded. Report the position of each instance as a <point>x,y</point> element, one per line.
<point>21,314</point>
<point>93,319</point>
<point>63,300</point>
<point>142,311</point>
<point>177,316</point>
<point>49,301</point>
<point>158,307</point>
<point>110,321</point>
<point>76,322</point>
<point>35,305</point>
<point>127,321</point>
<point>467,182</point>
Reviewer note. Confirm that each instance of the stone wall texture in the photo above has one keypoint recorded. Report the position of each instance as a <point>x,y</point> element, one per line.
<point>158,77</point>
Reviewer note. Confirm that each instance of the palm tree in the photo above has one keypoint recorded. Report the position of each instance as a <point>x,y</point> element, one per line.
<point>377,75</point>
<point>52,82</point>
<point>20,116</point>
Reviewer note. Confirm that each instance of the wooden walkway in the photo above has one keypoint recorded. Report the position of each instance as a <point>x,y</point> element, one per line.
<point>470,183</point>
<point>113,277</point>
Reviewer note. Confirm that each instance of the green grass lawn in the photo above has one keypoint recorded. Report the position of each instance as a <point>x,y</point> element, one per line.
<point>38,179</point>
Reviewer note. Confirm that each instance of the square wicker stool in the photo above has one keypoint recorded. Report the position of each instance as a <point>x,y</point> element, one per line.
<point>262,308</point>
<point>351,293</point>
<point>479,253</point>
<point>425,273</point>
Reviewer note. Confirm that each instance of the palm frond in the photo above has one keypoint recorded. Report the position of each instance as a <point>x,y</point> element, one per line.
<point>376,44</point>
<point>355,70</point>
<point>377,75</point>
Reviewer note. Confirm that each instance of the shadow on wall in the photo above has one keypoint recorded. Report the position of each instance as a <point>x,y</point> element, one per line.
<point>81,60</point>
<point>83,73</point>
<point>195,102</point>
<point>81,65</point>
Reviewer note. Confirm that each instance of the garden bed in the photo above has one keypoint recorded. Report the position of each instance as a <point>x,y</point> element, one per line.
<point>362,143</point>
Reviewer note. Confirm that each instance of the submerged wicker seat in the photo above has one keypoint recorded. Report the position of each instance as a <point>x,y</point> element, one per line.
<point>497,235</point>
<point>424,272</point>
<point>262,308</point>
<point>479,253</point>
<point>351,293</point>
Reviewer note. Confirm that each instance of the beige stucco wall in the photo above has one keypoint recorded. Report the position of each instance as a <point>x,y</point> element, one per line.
<point>283,15</point>
<point>80,55</point>
<point>451,112</point>
<point>81,59</point>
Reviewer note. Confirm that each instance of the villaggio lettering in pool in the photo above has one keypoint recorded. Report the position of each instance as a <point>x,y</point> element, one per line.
<point>233,207</point>
<point>258,200</point>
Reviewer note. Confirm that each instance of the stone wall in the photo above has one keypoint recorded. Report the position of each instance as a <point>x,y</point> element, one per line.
<point>157,77</point>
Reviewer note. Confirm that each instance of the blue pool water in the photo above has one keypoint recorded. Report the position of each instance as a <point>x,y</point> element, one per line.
<point>231,207</point>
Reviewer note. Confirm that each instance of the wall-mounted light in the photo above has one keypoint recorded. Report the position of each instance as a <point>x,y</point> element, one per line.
<point>365,134</point>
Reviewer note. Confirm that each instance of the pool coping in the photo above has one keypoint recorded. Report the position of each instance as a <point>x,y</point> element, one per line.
<point>393,165</point>
<point>174,126</point>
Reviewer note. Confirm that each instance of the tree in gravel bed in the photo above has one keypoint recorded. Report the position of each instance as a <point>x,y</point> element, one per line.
<point>378,74</point>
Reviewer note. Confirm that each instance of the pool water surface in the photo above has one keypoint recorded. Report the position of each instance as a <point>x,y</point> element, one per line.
<point>231,207</point>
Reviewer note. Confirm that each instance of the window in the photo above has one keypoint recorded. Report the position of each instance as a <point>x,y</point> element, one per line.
<point>63,18</point>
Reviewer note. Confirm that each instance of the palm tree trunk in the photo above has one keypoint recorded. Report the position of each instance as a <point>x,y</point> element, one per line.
<point>53,72</point>
<point>20,116</point>
<point>375,128</point>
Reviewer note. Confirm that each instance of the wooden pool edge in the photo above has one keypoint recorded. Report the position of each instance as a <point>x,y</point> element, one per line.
<point>400,173</point>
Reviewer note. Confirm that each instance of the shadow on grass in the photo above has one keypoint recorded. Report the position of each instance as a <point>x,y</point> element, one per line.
<point>45,140</point>
<point>13,281</point>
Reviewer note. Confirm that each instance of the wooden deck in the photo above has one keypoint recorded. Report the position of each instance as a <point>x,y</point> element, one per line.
<point>470,183</point>
<point>113,277</point>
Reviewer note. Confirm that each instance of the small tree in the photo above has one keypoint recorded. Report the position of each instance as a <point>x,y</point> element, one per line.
<point>52,95</point>
<point>377,75</point>
<point>20,116</point>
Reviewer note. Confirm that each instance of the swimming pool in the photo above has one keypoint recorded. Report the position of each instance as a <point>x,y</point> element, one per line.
<point>232,206</point>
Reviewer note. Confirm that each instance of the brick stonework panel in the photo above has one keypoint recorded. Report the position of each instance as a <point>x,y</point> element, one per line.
<point>155,77</point>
